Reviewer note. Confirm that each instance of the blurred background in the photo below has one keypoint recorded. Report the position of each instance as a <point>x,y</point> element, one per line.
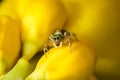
<point>98,22</point>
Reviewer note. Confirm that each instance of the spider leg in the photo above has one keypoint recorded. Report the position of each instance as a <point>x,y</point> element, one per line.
<point>45,49</point>
<point>46,45</point>
<point>52,41</point>
<point>60,44</point>
<point>67,36</point>
<point>54,45</point>
<point>69,43</point>
<point>74,35</point>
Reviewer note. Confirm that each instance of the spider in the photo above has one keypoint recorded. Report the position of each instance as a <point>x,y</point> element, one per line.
<point>58,38</point>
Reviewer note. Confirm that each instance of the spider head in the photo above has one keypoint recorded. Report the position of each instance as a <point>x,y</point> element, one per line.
<point>57,38</point>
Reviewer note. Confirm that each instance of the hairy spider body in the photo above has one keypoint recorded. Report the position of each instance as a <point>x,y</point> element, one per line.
<point>58,38</point>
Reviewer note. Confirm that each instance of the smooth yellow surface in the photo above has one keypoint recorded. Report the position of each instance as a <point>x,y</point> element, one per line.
<point>8,8</point>
<point>98,21</point>
<point>9,40</point>
<point>39,20</point>
<point>60,64</point>
<point>20,6</point>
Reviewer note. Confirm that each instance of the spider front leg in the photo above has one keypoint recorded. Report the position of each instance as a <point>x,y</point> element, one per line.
<point>54,45</point>
<point>70,43</point>
<point>46,46</point>
<point>60,44</point>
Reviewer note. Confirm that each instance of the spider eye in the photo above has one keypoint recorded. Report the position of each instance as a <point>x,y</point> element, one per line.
<point>56,38</point>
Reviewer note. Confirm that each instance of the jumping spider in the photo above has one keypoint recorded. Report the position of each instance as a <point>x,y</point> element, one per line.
<point>58,39</point>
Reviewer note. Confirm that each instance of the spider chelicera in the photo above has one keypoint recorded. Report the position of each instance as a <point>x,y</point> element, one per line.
<point>58,39</point>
